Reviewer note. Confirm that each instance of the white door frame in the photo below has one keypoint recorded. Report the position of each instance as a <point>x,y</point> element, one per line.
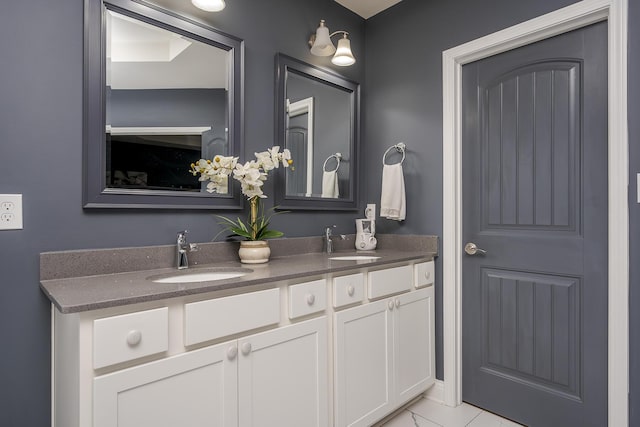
<point>563,20</point>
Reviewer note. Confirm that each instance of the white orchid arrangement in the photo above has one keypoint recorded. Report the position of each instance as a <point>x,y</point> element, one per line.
<point>251,175</point>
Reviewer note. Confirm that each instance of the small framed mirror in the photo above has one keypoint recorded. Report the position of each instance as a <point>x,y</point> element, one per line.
<point>317,119</point>
<point>161,92</point>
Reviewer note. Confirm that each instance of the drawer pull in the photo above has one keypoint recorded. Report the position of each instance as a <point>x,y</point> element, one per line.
<point>246,348</point>
<point>134,337</point>
<point>397,302</point>
<point>390,304</point>
<point>351,290</point>
<point>310,299</point>
<point>427,275</point>
<point>232,352</point>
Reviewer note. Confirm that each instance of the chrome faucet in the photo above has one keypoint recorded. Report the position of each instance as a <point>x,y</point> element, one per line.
<point>181,250</point>
<point>328,243</point>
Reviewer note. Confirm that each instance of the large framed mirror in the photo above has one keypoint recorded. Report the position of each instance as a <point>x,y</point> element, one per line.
<point>161,91</point>
<point>317,119</point>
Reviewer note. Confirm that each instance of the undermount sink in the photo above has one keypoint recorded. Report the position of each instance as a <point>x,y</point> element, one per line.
<point>201,275</point>
<point>354,258</point>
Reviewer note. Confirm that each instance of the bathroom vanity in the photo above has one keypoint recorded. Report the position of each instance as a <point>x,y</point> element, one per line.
<point>304,340</point>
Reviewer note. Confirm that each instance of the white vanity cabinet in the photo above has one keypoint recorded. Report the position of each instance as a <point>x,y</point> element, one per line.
<point>363,364</point>
<point>384,350</point>
<point>197,388</point>
<point>342,349</point>
<point>243,382</point>
<point>194,363</point>
<point>283,376</point>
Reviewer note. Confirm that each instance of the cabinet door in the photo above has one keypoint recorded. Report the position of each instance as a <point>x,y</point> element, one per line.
<point>414,361</point>
<point>193,389</point>
<point>282,376</point>
<point>363,365</point>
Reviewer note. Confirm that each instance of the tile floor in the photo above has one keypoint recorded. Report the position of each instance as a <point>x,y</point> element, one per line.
<point>429,413</point>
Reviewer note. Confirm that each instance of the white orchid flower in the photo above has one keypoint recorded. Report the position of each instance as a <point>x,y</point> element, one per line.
<point>265,160</point>
<point>226,164</point>
<point>251,190</point>
<point>274,154</point>
<point>218,185</point>
<point>285,157</point>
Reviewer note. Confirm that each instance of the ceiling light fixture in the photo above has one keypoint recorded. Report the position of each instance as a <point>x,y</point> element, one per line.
<point>209,5</point>
<point>321,45</point>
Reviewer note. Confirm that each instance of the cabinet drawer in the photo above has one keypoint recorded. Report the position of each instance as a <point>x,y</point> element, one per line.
<point>307,298</point>
<point>130,336</point>
<point>390,281</point>
<point>217,318</point>
<point>348,289</point>
<point>424,274</point>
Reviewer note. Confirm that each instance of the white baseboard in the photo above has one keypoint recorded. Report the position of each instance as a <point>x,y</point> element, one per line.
<point>436,393</point>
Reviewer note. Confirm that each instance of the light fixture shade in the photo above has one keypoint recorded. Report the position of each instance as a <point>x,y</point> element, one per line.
<point>322,45</point>
<point>209,5</point>
<point>343,56</point>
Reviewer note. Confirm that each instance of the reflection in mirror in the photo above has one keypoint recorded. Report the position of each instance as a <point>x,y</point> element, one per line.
<point>318,122</point>
<point>166,105</point>
<point>299,140</point>
<point>165,93</point>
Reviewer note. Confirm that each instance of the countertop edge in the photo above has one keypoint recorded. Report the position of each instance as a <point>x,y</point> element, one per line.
<point>56,296</point>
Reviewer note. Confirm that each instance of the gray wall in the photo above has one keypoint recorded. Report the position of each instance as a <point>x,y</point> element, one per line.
<point>403,100</point>
<point>41,141</point>
<point>41,157</point>
<point>167,107</point>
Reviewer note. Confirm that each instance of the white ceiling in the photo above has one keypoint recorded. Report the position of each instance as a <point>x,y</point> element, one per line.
<point>367,8</point>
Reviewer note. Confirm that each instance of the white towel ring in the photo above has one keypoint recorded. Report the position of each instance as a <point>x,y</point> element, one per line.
<point>338,157</point>
<point>400,147</point>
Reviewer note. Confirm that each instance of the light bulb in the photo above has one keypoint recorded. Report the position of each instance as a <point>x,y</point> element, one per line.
<point>209,5</point>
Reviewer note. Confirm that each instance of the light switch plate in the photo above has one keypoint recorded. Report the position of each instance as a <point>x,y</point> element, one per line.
<point>10,211</point>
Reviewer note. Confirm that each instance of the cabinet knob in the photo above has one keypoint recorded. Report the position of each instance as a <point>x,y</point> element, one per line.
<point>232,352</point>
<point>246,348</point>
<point>351,290</point>
<point>427,275</point>
<point>397,302</point>
<point>390,304</point>
<point>134,337</point>
<point>311,298</point>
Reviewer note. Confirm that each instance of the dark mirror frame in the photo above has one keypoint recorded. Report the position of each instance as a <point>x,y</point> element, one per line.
<point>96,194</point>
<point>284,65</point>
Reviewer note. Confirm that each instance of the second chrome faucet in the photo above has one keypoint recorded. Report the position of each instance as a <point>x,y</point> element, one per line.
<point>328,242</point>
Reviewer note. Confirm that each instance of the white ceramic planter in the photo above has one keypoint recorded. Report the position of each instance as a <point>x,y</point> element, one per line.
<point>254,251</point>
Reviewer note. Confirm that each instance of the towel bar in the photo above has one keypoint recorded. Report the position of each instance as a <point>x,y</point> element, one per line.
<point>400,147</point>
<point>338,157</point>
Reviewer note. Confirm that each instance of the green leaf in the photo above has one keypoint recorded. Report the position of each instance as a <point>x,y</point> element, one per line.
<point>271,234</point>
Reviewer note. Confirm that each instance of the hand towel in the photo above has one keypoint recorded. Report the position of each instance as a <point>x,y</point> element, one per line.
<point>330,184</point>
<point>392,197</point>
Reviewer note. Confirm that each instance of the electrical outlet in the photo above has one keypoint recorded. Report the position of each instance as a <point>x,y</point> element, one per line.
<point>10,211</point>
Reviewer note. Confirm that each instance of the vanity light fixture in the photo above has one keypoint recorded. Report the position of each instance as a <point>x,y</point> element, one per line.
<point>321,45</point>
<point>209,5</point>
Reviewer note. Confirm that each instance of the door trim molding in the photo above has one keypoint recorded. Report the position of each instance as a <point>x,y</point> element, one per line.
<point>563,20</point>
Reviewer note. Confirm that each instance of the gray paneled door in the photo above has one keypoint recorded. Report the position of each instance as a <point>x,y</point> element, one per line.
<point>534,162</point>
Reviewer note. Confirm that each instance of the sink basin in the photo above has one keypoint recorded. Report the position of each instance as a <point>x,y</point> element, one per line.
<point>354,258</point>
<point>200,275</point>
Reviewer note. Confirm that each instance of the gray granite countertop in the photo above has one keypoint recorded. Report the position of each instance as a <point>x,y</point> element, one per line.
<point>103,288</point>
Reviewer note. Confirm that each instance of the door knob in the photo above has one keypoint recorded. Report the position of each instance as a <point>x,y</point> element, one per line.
<point>471,249</point>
